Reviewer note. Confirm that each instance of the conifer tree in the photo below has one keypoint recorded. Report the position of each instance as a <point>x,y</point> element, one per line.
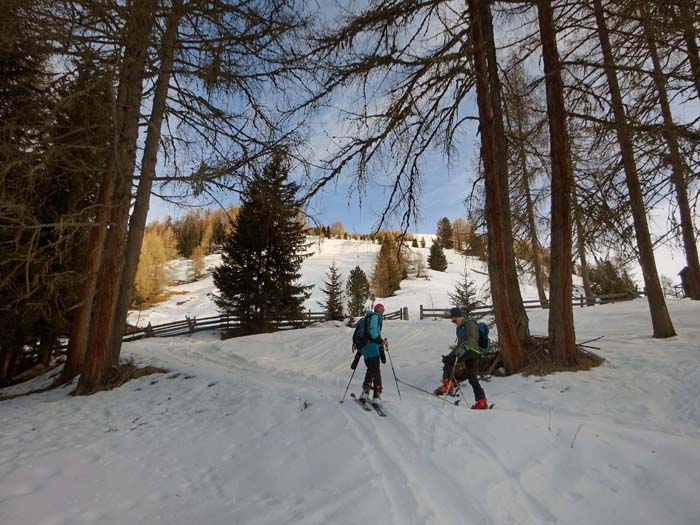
<point>333,291</point>
<point>422,242</point>
<point>386,278</point>
<point>610,277</point>
<point>436,259</point>
<point>465,295</point>
<point>444,233</point>
<point>357,290</point>
<point>258,278</point>
<point>414,243</point>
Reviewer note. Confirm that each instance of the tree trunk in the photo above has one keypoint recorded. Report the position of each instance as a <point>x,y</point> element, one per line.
<point>660,319</point>
<point>689,35</point>
<point>532,225</point>
<point>80,326</point>
<point>137,223</point>
<point>677,165</point>
<point>46,346</point>
<point>581,244</point>
<point>133,68</point>
<point>6,354</point>
<point>510,344</point>
<point>562,340</point>
<point>515,300</point>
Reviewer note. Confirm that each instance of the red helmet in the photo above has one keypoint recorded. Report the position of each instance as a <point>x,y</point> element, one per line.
<point>378,306</point>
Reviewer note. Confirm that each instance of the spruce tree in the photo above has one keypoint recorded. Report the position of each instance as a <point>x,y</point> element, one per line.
<point>436,259</point>
<point>333,304</point>
<point>422,242</point>
<point>261,260</point>
<point>610,277</point>
<point>414,243</point>
<point>357,291</point>
<point>465,295</point>
<point>444,233</point>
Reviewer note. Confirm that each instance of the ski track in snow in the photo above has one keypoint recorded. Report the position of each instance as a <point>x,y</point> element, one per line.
<point>250,431</point>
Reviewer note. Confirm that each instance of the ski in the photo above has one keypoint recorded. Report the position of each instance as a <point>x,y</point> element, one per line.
<point>363,404</point>
<point>378,408</point>
<point>440,398</point>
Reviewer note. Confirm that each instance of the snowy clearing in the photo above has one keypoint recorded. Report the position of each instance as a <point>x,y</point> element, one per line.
<point>224,436</point>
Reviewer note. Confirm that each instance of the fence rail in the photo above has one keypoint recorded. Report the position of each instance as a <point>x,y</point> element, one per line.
<point>531,304</point>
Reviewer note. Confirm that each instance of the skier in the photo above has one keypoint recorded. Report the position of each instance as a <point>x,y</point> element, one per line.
<point>466,350</point>
<point>373,352</point>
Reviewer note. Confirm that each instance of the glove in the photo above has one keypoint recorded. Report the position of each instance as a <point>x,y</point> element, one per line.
<point>356,360</point>
<point>382,355</point>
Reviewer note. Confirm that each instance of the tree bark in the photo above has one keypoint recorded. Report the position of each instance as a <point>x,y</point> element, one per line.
<point>137,222</point>
<point>690,35</point>
<point>581,244</point>
<point>660,319</point>
<point>510,344</point>
<point>515,300</point>
<point>530,210</point>
<point>133,68</point>
<point>562,339</point>
<point>80,326</point>
<point>46,346</point>
<point>678,170</point>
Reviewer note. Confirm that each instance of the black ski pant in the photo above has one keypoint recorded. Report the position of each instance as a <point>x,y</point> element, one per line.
<point>470,360</point>
<point>373,376</point>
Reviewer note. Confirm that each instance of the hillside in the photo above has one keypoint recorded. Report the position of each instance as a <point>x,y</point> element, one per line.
<point>194,299</point>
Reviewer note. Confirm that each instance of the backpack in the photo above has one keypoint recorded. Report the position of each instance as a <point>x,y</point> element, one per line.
<point>484,342</point>
<point>360,337</point>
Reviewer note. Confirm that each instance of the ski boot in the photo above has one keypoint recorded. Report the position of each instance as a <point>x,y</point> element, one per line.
<point>447,387</point>
<point>481,404</point>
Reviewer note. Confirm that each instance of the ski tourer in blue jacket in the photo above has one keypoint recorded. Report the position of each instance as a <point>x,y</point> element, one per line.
<point>373,352</point>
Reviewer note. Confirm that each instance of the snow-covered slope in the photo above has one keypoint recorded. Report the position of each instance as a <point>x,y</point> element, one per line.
<point>194,299</point>
<point>250,431</point>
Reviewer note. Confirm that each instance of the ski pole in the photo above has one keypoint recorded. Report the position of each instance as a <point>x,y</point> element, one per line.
<point>452,380</point>
<point>348,387</point>
<point>393,371</point>
<point>431,394</point>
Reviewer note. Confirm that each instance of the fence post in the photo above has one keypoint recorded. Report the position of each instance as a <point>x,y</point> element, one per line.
<point>421,312</point>
<point>581,299</point>
<point>149,330</point>
<point>404,313</point>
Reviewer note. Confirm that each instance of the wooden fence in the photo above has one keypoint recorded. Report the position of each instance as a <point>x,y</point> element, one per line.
<point>579,301</point>
<point>191,325</point>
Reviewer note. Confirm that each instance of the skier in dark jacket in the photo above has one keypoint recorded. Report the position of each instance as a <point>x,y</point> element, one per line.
<point>466,351</point>
<point>373,352</point>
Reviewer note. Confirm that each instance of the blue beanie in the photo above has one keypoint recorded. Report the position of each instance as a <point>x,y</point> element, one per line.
<point>455,312</point>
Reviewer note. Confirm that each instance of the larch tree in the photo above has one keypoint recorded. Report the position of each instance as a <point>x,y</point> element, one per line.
<point>660,318</point>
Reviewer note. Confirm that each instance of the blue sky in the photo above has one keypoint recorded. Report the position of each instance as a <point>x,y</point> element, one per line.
<point>443,195</point>
<point>444,188</point>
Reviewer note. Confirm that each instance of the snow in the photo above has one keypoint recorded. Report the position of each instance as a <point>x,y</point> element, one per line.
<point>250,431</point>
<point>195,299</point>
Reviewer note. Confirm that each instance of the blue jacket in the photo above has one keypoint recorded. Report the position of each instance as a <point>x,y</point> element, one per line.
<point>372,348</point>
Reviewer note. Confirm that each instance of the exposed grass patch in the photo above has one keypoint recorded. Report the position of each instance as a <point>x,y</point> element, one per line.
<point>163,296</point>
